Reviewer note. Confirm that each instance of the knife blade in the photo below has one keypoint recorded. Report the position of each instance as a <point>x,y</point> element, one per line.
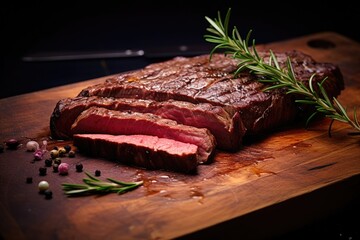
<point>67,56</point>
<point>163,52</point>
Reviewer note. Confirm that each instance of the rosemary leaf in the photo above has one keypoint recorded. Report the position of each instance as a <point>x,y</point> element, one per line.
<point>92,177</point>
<point>272,73</point>
<point>78,191</point>
<point>123,183</point>
<point>355,117</point>
<point>310,118</point>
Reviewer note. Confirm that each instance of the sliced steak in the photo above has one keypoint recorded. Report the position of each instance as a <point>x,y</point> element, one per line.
<point>145,151</point>
<point>226,126</point>
<point>199,80</point>
<point>105,121</point>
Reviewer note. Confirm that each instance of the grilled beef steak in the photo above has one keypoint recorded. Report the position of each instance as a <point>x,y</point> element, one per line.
<point>102,120</point>
<point>145,151</point>
<point>188,100</point>
<point>198,79</point>
<point>226,127</point>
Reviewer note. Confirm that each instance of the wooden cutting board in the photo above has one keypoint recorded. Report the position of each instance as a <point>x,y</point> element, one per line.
<point>274,184</point>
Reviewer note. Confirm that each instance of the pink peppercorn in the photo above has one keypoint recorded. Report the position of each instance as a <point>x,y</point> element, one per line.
<point>38,154</point>
<point>63,168</point>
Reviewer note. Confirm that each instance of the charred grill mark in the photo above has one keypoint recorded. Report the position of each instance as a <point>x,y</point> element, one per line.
<point>214,81</point>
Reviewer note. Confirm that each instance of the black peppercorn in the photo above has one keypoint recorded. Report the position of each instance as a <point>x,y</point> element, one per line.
<point>71,154</point>
<point>67,148</point>
<point>79,167</point>
<point>42,171</point>
<point>48,194</point>
<point>57,161</point>
<point>97,173</point>
<point>48,162</point>
<point>12,143</point>
<point>55,167</point>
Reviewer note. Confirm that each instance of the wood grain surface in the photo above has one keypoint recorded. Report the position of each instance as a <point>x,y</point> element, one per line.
<point>276,183</point>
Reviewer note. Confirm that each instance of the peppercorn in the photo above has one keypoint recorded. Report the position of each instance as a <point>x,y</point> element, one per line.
<point>38,154</point>
<point>12,143</point>
<point>43,185</point>
<point>62,152</point>
<point>54,153</point>
<point>71,154</point>
<point>48,194</point>
<point>48,162</point>
<point>79,167</point>
<point>29,180</point>
<point>67,148</point>
<point>97,173</point>
<point>55,167</point>
<point>42,171</point>
<point>32,146</point>
<point>64,169</point>
<point>57,161</point>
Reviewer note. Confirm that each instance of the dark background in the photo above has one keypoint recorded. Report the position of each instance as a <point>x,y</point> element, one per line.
<point>154,28</point>
<point>146,25</point>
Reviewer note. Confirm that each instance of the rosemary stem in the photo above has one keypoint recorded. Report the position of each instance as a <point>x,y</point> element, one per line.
<point>93,185</point>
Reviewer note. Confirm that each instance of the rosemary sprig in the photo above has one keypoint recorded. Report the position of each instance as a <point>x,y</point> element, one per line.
<point>271,72</point>
<point>94,185</point>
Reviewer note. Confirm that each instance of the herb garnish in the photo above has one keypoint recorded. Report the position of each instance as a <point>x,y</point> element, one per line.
<point>271,72</point>
<point>94,185</point>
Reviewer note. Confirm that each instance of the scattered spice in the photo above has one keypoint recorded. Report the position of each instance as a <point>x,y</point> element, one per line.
<point>57,161</point>
<point>67,148</point>
<point>92,184</point>
<point>48,194</point>
<point>79,167</point>
<point>61,152</point>
<point>71,154</point>
<point>43,185</point>
<point>64,169</point>
<point>48,162</point>
<point>55,167</point>
<point>54,153</point>
<point>12,143</point>
<point>42,171</point>
<point>32,146</point>
<point>38,154</point>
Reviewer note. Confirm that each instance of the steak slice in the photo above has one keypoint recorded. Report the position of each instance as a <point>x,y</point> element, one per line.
<point>105,121</point>
<point>226,127</point>
<point>145,151</point>
<point>199,80</point>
